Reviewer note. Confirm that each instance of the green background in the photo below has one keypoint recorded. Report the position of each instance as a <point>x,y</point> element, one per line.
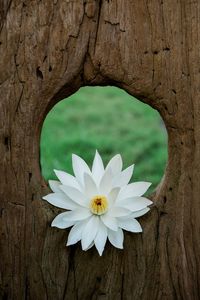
<point>111,121</point>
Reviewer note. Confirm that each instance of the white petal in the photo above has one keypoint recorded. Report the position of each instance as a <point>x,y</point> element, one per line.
<point>131,225</point>
<point>97,168</point>
<point>135,189</point>
<point>119,212</point>
<point>80,167</point>
<point>136,214</point>
<point>90,246</point>
<point>101,237</point>
<point>140,213</point>
<point>105,185</point>
<point>60,200</point>
<point>112,196</point>
<point>59,222</point>
<point>67,179</point>
<point>135,203</point>
<point>75,233</point>
<point>75,195</point>
<point>116,238</point>
<point>90,186</point>
<point>115,164</point>
<point>77,214</point>
<point>109,222</point>
<point>124,177</point>
<point>89,232</point>
<point>55,185</point>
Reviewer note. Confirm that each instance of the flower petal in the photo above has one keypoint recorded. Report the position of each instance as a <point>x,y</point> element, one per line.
<point>131,225</point>
<point>59,222</point>
<point>112,196</point>
<point>135,203</point>
<point>80,167</point>
<point>135,189</point>
<point>116,238</point>
<point>136,214</point>
<point>55,185</point>
<point>77,214</point>
<point>75,195</point>
<point>124,177</point>
<point>109,222</point>
<point>67,179</point>
<point>60,200</point>
<point>90,246</point>
<point>119,212</point>
<point>140,213</point>
<point>105,185</point>
<point>90,186</point>
<point>89,232</point>
<point>101,237</point>
<point>97,168</point>
<point>115,164</point>
<point>75,233</point>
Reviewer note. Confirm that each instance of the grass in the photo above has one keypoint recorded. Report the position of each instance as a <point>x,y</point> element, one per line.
<point>110,120</point>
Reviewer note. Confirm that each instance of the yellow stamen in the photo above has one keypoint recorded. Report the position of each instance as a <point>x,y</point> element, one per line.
<point>99,205</point>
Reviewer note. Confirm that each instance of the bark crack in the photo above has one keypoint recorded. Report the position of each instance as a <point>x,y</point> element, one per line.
<point>98,24</point>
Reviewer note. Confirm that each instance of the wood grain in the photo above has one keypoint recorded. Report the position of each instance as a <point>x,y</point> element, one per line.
<point>48,50</point>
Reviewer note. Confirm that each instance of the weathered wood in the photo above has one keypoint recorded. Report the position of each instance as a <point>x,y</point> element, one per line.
<point>48,49</point>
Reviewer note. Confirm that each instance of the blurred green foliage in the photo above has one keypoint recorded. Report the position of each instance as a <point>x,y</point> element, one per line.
<point>111,121</point>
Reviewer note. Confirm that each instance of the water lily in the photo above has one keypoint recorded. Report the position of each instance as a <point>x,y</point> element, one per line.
<point>100,202</point>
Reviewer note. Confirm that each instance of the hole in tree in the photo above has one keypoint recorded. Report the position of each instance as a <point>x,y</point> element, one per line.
<point>110,120</point>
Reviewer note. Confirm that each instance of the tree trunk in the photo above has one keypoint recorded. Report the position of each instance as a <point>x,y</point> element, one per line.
<point>48,50</point>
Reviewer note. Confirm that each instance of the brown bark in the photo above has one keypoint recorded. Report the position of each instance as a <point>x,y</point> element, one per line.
<point>48,49</point>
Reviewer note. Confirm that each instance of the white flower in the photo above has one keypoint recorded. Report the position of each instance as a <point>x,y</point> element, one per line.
<point>100,202</point>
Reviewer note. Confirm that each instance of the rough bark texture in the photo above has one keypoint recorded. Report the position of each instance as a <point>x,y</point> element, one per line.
<point>48,49</point>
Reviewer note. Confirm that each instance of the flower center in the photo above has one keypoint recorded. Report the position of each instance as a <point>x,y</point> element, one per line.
<point>99,205</point>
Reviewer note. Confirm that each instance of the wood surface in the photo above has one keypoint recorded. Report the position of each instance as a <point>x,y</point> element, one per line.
<point>48,50</point>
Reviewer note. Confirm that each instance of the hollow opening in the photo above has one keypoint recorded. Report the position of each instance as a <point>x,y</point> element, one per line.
<point>110,120</point>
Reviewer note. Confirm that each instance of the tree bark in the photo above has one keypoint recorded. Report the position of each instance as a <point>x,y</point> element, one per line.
<point>48,50</point>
